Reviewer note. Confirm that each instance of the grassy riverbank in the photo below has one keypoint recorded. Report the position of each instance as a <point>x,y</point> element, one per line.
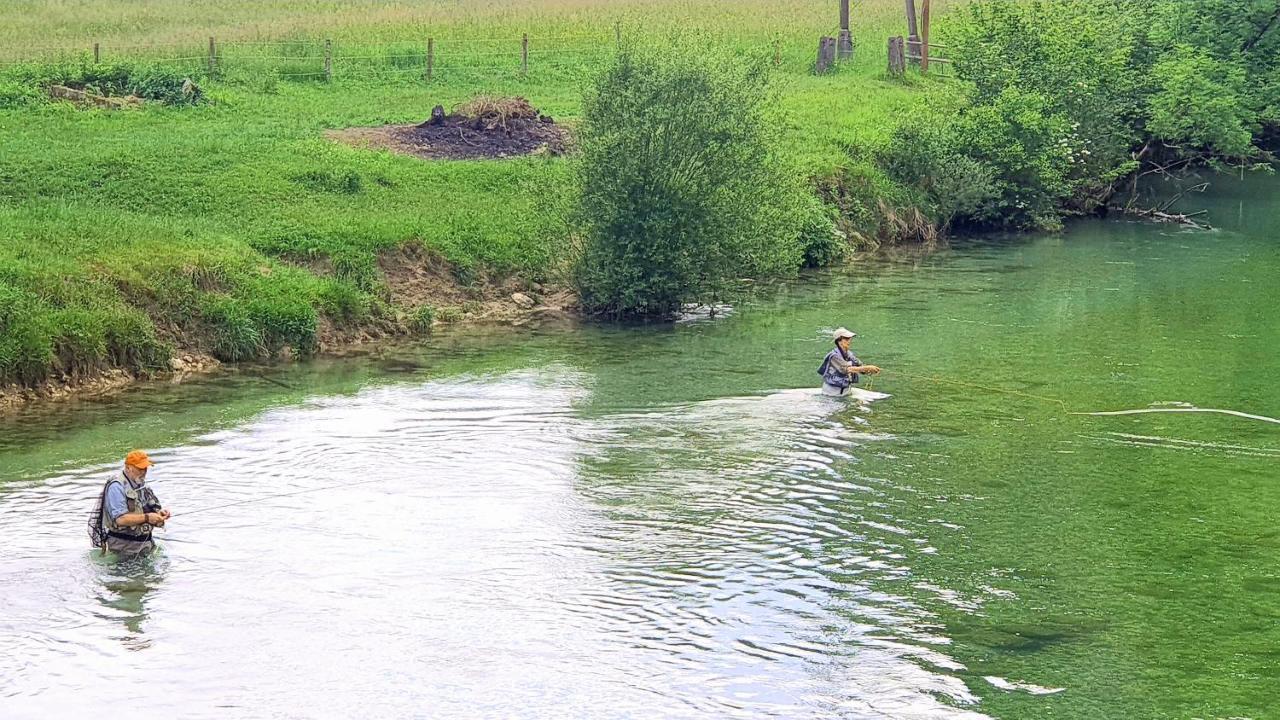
<point>235,228</point>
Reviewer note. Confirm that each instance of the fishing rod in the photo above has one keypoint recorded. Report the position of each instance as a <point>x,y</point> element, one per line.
<point>304,491</point>
<point>1006,391</point>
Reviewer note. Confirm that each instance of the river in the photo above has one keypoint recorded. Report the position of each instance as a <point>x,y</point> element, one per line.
<point>669,521</point>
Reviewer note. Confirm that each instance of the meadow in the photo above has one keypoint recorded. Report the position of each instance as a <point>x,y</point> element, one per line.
<point>234,227</point>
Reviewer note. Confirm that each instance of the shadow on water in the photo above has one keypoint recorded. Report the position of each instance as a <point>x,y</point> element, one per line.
<point>125,585</point>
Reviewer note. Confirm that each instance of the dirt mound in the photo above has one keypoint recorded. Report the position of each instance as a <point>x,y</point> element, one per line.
<point>484,128</point>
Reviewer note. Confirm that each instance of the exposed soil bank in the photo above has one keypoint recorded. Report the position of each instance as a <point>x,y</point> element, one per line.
<point>415,279</point>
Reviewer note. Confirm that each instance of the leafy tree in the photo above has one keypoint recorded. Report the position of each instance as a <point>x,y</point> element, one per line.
<point>681,189</point>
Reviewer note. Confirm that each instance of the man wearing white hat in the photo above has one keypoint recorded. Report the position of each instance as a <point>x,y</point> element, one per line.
<point>840,369</point>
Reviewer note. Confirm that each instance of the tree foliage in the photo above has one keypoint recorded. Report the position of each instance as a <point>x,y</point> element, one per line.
<point>1066,97</point>
<point>681,188</point>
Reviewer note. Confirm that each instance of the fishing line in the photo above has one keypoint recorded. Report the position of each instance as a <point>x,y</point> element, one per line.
<point>1065,410</point>
<point>1236,413</point>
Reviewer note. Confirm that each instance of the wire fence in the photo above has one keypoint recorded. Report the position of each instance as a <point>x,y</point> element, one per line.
<point>428,59</point>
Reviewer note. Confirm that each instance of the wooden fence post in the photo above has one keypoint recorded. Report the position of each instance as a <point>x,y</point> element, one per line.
<point>213,58</point>
<point>328,60</point>
<point>826,54</point>
<point>431,57</point>
<point>617,32</point>
<point>524,54</point>
<point>913,32</point>
<point>844,48</point>
<point>924,37</point>
<point>97,53</point>
<point>777,53</point>
<point>897,57</point>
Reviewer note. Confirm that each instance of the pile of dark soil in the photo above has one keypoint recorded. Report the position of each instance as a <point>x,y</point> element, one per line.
<point>484,128</point>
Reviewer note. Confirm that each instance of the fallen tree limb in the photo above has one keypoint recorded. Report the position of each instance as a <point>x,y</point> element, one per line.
<point>1159,215</point>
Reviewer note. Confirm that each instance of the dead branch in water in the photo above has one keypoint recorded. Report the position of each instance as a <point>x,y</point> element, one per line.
<point>1162,214</point>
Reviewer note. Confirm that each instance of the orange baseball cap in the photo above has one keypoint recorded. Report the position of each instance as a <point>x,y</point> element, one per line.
<point>138,459</point>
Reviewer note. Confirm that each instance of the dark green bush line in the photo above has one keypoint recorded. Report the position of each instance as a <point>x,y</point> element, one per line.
<point>1068,99</point>
<point>27,84</point>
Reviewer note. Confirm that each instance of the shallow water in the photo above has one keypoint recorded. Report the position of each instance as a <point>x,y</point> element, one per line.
<point>672,522</point>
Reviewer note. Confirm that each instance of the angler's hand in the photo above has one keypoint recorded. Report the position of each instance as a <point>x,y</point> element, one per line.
<point>165,514</point>
<point>871,369</point>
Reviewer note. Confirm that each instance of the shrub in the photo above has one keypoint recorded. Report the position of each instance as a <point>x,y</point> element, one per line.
<point>1065,94</point>
<point>421,319</point>
<point>235,335</point>
<point>822,243</point>
<point>16,95</point>
<point>284,320</point>
<point>1201,102</point>
<point>927,156</point>
<point>150,82</point>
<point>681,191</point>
<point>343,301</point>
<point>357,267</point>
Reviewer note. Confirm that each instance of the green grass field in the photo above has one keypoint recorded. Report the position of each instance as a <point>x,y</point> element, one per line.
<point>235,227</point>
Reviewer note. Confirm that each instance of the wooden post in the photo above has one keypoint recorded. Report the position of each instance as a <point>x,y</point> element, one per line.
<point>913,32</point>
<point>844,48</point>
<point>617,32</point>
<point>897,57</point>
<point>431,57</point>
<point>777,52</point>
<point>924,37</point>
<point>524,54</point>
<point>826,54</point>
<point>213,58</point>
<point>328,60</point>
<point>97,53</point>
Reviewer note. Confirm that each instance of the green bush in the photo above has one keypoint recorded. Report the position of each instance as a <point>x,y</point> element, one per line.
<point>80,342</point>
<point>822,243</point>
<point>1067,97</point>
<point>927,155</point>
<point>681,190</point>
<point>16,95</point>
<point>26,348</point>
<point>284,320</point>
<point>421,320</point>
<point>150,82</point>
<point>343,301</point>
<point>1201,102</point>
<point>359,268</point>
<point>131,340</point>
<point>235,335</point>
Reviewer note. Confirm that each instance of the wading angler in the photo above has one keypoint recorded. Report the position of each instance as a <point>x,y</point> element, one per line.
<point>127,510</point>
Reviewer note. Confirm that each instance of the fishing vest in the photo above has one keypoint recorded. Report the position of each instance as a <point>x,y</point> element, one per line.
<point>830,372</point>
<point>135,500</point>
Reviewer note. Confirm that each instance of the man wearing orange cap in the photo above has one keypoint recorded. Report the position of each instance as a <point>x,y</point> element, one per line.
<point>129,509</point>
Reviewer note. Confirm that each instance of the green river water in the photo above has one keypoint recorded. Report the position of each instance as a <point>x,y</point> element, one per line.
<point>670,522</point>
